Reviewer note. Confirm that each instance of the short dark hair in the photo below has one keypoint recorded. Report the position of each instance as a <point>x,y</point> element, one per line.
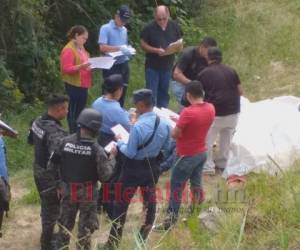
<point>143,95</point>
<point>208,42</point>
<point>195,89</point>
<point>214,54</point>
<point>77,29</point>
<point>55,99</point>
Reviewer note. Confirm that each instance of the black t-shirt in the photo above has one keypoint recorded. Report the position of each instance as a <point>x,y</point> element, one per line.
<point>153,35</point>
<point>220,84</point>
<point>191,63</point>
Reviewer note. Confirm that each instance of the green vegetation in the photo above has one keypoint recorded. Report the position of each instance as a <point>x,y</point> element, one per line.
<point>258,38</point>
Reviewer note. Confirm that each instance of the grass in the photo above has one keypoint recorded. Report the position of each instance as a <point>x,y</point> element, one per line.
<point>260,39</point>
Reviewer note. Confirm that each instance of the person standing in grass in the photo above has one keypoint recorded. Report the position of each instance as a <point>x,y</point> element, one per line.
<point>190,134</point>
<point>80,162</point>
<point>222,88</point>
<point>75,72</point>
<point>155,38</point>
<point>148,137</point>
<point>113,38</point>
<point>44,135</point>
<point>108,105</point>
<point>4,182</point>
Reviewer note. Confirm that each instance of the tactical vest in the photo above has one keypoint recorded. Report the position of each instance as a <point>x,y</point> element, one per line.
<point>45,137</point>
<point>73,79</point>
<point>78,160</point>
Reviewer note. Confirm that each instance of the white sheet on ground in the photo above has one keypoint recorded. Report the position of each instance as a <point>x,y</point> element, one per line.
<point>268,128</point>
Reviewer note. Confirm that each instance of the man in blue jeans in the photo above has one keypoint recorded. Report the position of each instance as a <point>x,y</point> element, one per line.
<point>190,150</point>
<point>112,38</point>
<point>155,38</point>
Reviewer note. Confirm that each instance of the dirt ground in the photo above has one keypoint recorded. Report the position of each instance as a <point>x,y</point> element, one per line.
<point>22,227</point>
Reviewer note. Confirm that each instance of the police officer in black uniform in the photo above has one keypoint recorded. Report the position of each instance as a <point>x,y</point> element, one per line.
<point>81,162</point>
<point>44,134</point>
<point>140,168</point>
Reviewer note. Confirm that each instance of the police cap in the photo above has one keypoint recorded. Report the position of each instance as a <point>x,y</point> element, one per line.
<point>113,83</point>
<point>91,119</point>
<point>144,95</point>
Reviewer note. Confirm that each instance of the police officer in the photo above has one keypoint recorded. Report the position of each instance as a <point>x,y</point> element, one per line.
<point>81,162</point>
<point>148,137</point>
<point>44,134</point>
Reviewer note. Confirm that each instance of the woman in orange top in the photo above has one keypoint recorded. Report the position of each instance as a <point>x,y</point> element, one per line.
<point>75,72</point>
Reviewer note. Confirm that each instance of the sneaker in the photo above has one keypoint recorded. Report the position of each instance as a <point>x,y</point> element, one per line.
<point>209,171</point>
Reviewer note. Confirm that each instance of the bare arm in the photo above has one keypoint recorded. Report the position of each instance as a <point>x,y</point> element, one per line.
<point>179,76</point>
<point>147,48</point>
<point>176,132</point>
<point>104,48</point>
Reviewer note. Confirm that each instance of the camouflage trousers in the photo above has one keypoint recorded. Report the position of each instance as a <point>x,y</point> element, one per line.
<point>82,198</point>
<point>46,187</point>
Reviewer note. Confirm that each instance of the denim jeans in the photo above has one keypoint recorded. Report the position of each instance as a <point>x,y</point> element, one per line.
<point>158,81</point>
<point>186,168</point>
<point>178,91</point>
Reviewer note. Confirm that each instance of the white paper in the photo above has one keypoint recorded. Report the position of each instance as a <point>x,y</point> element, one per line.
<point>119,130</point>
<point>173,47</point>
<point>109,146</point>
<point>120,53</point>
<point>170,113</point>
<point>166,115</point>
<point>101,62</point>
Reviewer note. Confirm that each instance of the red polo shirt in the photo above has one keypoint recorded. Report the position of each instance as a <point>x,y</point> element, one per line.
<point>194,122</point>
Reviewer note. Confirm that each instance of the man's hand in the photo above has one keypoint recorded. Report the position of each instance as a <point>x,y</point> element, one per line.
<point>9,134</point>
<point>59,193</point>
<point>160,51</point>
<point>113,152</point>
<point>125,51</point>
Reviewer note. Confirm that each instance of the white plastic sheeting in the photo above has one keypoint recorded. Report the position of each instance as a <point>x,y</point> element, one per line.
<point>266,129</point>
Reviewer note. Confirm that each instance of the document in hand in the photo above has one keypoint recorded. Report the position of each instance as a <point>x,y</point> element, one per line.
<point>5,127</point>
<point>119,130</point>
<point>174,47</point>
<point>166,114</point>
<point>120,53</point>
<point>109,146</point>
<point>101,62</point>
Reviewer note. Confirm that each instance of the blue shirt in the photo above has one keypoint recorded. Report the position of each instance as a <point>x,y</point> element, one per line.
<point>112,114</point>
<point>113,35</point>
<point>3,167</point>
<point>141,132</point>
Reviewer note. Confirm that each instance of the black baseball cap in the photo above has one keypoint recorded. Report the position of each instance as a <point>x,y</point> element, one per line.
<point>124,13</point>
<point>113,83</point>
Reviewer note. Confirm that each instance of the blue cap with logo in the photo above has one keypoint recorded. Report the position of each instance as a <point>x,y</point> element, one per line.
<point>124,13</point>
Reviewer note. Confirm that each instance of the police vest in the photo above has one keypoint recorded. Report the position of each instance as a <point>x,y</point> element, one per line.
<point>45,134</point>
<point>78,160</point>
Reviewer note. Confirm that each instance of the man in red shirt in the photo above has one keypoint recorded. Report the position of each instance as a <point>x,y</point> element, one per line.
<point>190,134</point>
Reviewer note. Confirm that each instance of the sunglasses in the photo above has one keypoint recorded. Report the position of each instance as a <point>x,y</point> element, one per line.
<point>162,19</point>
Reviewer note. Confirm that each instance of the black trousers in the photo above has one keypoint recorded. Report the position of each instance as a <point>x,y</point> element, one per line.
<point>135,173</point>
<point>78,98</point>
<point>122,69</point>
